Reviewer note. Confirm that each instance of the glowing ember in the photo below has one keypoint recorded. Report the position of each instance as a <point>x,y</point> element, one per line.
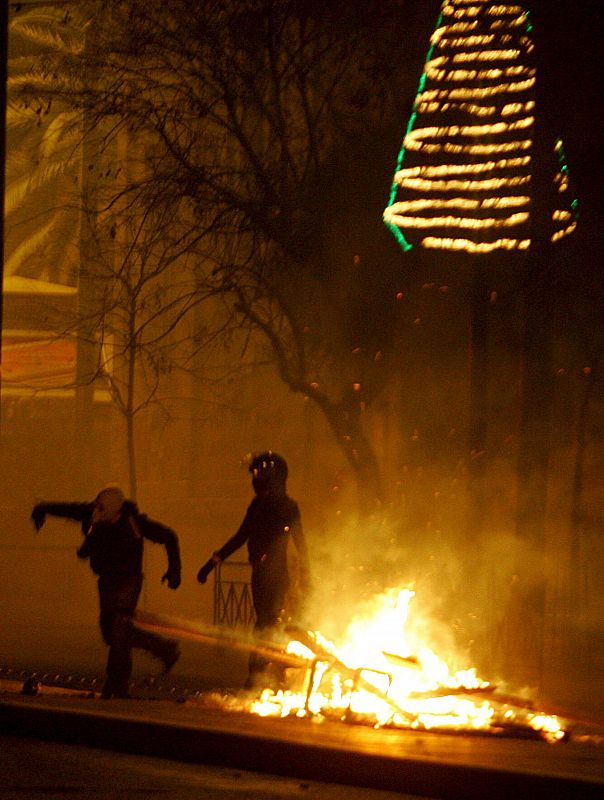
<point>375,677</point>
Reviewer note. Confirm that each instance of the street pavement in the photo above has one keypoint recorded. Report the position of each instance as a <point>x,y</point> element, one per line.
<point>30,769</point>
<point>200,730</point>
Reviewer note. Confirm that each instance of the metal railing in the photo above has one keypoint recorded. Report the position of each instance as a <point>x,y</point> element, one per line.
<point>233,606</point>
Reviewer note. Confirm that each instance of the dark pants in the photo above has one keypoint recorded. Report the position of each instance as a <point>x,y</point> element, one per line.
<point>118,596</point>
<point>269,589</point>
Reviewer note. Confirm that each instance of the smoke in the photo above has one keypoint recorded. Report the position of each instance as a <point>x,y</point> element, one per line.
<point>467,597</point>
<point>356,562</point>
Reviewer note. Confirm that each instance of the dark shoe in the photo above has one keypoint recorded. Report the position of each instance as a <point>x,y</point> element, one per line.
<point>109,691</point>
<point>31,687</point>
<point>170,657</point>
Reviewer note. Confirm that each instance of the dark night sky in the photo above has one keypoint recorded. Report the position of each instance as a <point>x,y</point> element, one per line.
<point>574,31</point>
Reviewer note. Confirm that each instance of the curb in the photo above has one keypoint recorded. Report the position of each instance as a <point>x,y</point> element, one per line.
<point>266,753</point>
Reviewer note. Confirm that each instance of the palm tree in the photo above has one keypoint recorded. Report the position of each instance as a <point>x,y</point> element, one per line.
<point>45,154</point>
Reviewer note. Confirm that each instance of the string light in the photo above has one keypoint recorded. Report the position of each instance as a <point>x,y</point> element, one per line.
<point>477,75</point>
<point>469,130</point>
<point>502,10</point>
<point>458,27</point>
<point>520,20</point>
<point>480,92</point>
<point>458,202</point>
<point>473,149</point>
<point>564,232</point>
<point>467,41</point>
<point>459,222</point>
<point>421,184</point>
<point>517,108</point>
<point>433,242</point>
<point>451,169</point>
<point>485,55</point>
<point>473,109</point>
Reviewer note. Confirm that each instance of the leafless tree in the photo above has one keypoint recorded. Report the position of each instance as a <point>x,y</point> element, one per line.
<point>238,111</point>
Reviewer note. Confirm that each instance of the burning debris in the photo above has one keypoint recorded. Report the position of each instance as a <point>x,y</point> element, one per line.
<point>373,677</point>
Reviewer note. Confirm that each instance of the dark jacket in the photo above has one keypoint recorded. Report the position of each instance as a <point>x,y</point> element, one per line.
<point>269,524</point>
<point>116,548</point>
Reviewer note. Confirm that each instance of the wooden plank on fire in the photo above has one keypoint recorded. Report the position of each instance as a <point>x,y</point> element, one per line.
<point>402,661</point>
<point>452,691</point>
<point>209,634</point>
<point>488,691</point>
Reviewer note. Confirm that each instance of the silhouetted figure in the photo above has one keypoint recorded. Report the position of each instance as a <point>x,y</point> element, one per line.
<point>114,531</point>
<point>272,520</point>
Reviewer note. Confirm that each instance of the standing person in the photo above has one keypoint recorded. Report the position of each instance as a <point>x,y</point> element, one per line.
<point>272,520</point>
<point>114,531</point>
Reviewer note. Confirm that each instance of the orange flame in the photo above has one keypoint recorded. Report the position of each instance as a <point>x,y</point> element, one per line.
<point>375,677</point>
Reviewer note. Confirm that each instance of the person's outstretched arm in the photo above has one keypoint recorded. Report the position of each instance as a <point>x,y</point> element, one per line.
<point>227,549</point>
<point>79,512</point>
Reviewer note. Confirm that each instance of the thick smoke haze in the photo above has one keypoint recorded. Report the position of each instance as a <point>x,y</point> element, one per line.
<point>523,606</point>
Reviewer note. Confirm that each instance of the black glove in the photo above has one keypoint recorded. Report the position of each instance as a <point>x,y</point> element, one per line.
<point>173,579</point>
<point>204,572</point>
<point>38,515</point>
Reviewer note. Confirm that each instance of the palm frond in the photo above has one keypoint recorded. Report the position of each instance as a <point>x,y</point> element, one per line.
<point>36,82</point>
<point>66,254</point>
<point>18,163</point>
<point>17,191</point>
<point>62,131</point>
<point>18,117</point>
<point>45,37</point>
<point>18,65</point>
<point>28,248</point>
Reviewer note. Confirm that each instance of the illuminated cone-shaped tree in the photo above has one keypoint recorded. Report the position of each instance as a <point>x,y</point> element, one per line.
<point>464,173</point>
<point>481,176</point>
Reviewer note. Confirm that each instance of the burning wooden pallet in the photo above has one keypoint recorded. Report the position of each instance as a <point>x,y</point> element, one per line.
<point>322,683</point>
